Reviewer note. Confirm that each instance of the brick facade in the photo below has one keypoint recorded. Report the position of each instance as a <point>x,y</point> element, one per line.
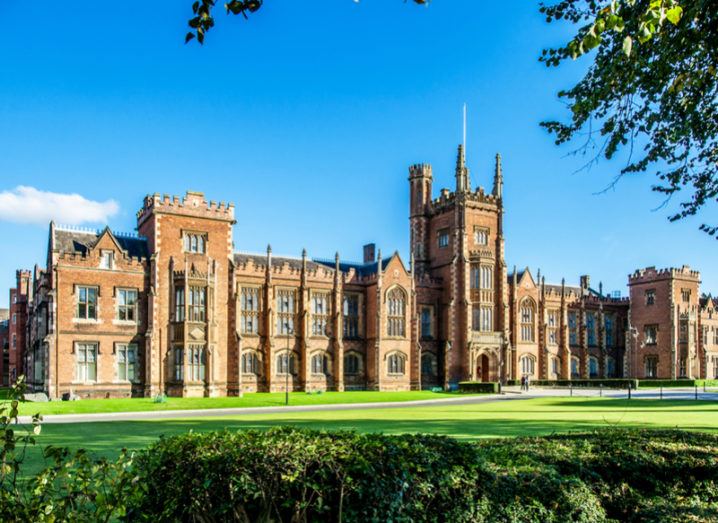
<point>175,310</point>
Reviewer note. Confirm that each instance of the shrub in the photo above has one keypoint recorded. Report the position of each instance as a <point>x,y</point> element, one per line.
<point>488,387</point>
<point>298,475</point>
<point>611,383</point>
<point>655,383</point>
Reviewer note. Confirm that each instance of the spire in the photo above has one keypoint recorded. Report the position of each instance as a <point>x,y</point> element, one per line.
<point>498,178</point>
<point>463,184</point>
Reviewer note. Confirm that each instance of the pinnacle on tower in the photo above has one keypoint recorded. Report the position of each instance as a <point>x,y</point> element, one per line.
<point>498,178</point>
<point>463,183</point>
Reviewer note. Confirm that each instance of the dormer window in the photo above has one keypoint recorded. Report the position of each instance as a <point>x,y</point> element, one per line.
<point>107,259</point>
<point>195,242</point>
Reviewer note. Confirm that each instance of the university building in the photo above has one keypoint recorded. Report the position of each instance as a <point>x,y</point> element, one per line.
<point>174,309</point>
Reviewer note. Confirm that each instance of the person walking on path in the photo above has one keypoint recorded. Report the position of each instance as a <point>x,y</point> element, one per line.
<point>528,382</point>
<point>523,382</point>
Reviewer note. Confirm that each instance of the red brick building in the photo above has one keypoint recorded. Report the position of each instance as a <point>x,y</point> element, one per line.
<point>174,309</point>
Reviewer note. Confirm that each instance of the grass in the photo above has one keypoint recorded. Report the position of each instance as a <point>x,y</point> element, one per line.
<point>274,399</point>
<point>474,421</point>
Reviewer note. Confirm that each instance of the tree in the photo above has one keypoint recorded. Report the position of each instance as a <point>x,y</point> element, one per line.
<point>652,88</point>
<point>203,21</point>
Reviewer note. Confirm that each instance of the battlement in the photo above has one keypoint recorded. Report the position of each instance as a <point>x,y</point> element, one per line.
<point>480,196</point>
<point>192,204</point>
<point>650,274</point>
<point>420,170</point>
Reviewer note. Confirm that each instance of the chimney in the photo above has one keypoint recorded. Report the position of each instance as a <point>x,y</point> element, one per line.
<point>369,252</point>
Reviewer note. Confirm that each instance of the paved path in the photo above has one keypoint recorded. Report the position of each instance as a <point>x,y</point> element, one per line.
<point>510,393</point>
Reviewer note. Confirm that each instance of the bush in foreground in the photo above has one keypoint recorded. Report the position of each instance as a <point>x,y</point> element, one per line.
<point>297,475</point>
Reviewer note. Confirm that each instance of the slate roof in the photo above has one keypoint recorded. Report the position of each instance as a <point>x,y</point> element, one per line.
<point>261,259</point>
<point>79,242</point>
<point>362,269</point>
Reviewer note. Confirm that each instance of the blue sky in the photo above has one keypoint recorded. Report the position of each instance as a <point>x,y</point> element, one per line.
<point>307,119</point>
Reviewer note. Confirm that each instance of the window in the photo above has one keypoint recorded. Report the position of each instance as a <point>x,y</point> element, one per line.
<point>715,335</point>
<point>608,329</point>
<point>593,367</point>
<point>487,277</point>
<point>351,364</point>
<point>107,259</point>
<point>87,303</point>
<point>715,367</point>
<point>572,330</point>
<point>320,313</point>
<point>179,304</point>
<point>650,334</point>
<point>487,318</point>
<point>127,364</point>
<point>196,361</point>
<point>611,367</point>
<point>14,341</point>
<point>528,365</point>
<point>14,318</point>
<point>555,366</point>
<point>396,307</point>
<point>683,332</point>
<point>127,304</point>
<point>686,295</point>
<point>651,297</point>
<point>86,358</point>
<point>591,329</point>
<point>250,363</point>
<point>351,316</point>
<point>682,368</point>
<point>285,364</point>
<point>575,367</point>
<point>651,366</point>
<point>481,236</point>
<point>197,304</point>
<point>475,277</point>
<point>552,327</point>
<point>249,306</point>
<point>396,363</point>
<point>705,336</point>
<point>443,238</point>
<point>426,333</point>
<point>179,364</point>
<point>285,312</point>
<point>481,277</point>
<point>194,242</point>
<point>527,321</point>
<point>428,365</point>
<point>320,364</point>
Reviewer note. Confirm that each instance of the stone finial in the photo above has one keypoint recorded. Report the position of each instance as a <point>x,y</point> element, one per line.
<point>498,178</point>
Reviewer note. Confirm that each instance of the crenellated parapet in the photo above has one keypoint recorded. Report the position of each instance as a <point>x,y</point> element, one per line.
<point>192,204</point>
<point>649,274</point>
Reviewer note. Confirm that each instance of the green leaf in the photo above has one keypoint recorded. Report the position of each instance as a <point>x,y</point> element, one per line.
<point>627,45</point>
<point>674,14</point>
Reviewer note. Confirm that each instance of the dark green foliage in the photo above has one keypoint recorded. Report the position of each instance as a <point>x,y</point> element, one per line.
<point>297,475</point>
<point>609,383</point>
<point>488,387</point>
<point>677,383</point>
<point>651,88</point>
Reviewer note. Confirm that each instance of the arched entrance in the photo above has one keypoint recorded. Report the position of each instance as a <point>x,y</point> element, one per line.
<point>485,365</point>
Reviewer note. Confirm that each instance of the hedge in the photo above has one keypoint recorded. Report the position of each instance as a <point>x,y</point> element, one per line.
<point>489,387</point>
<point>655,383</point>
<point>299,476</point>
<point>613,383</point>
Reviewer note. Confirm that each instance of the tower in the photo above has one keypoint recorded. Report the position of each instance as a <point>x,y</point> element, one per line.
<point>420,186</point>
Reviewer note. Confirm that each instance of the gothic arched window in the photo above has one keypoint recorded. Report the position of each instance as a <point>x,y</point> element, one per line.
<point>396,307</point>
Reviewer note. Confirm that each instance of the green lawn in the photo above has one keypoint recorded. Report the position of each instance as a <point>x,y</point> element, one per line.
<point>275,399</point>
<point>483,420</point>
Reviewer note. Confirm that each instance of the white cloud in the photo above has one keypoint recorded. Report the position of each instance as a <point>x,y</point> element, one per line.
<point>29,205</point>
